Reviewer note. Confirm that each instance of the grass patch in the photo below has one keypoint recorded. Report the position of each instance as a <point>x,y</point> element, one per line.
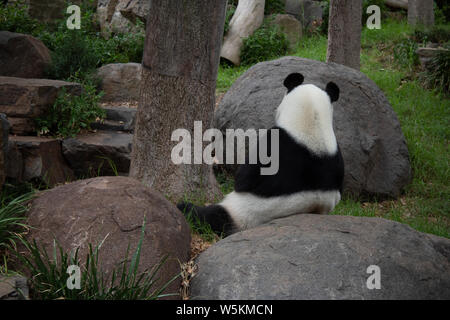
<point>49,275</point>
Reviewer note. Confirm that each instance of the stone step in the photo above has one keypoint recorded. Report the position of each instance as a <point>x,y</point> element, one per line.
<point>103,152</point>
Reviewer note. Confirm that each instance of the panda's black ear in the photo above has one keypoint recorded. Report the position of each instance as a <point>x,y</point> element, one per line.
<point>333,91</point>
<point>293,80</point>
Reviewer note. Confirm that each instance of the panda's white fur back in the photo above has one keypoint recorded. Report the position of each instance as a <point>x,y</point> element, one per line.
<point>306,114</point>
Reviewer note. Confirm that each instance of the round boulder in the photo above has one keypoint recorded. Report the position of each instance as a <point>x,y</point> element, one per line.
<point>367,129</point>
<point>113,208</point>
<point>22,56</point>
<point>325,257</point>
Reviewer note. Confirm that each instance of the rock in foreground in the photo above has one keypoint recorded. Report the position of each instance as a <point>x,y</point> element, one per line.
<point>112,208</point>
<point>325,257</point>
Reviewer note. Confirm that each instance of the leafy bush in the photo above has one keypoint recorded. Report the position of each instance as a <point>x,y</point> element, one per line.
<point>266,43</point>
<point>437,74</point>
<point>405,53</point>
<point>70,114</point>
<point>49,275</point>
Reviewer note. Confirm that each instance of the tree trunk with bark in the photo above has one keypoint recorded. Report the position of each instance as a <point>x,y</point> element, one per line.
<point>421,12</point>
<point>344,33</point>
<point>180,64</point>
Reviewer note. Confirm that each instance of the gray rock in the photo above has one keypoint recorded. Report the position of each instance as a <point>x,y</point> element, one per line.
<point>367,129</point>
<point>120,81</point>
<point>325,257</point>
<point>4,129</point>
<point>117,119</point>
<point>89,154</point>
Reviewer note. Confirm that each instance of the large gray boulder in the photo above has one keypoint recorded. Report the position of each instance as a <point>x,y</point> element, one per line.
<point>325,257</point>
<point>367,128</point>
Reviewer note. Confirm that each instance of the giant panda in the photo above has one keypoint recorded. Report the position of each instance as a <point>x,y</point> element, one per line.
<point>310,173</point>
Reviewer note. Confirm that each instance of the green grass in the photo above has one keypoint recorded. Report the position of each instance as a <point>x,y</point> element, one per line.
<point>424,116</point>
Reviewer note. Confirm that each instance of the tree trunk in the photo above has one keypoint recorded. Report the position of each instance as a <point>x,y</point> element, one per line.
<point>421,12</point>
<point>344,32</point>
<point>248,17</point>
<point>180,64</point>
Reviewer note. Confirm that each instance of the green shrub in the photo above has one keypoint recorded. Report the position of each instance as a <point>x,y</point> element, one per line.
<point>70,113</point>
<point>49,275</point>
<point>266,43</point>
<point>72,54</point>
<point>405,53</point>
<point>437,74</point>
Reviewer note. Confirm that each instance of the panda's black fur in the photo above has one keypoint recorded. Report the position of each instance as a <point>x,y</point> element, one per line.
<point>301,173</point>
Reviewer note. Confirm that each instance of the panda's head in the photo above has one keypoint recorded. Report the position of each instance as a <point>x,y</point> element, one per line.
<point>306,113</point>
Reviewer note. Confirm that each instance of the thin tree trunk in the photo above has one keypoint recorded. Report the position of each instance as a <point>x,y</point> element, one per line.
<point>180,65</point>
<point>344,32</point>
<point>421,12</point>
